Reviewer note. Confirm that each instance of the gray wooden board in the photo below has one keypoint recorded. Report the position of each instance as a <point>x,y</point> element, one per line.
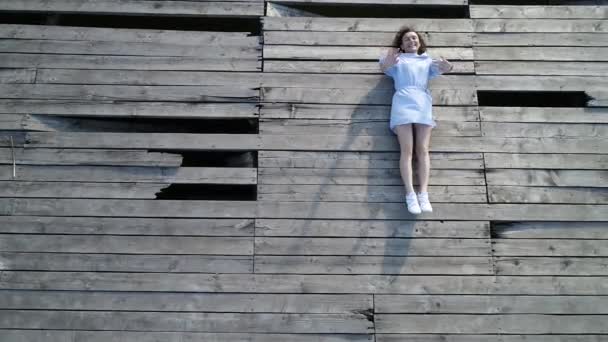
<point>25,335</point>
<point>24,156</point>
<point>126,226</point>
<point>543,130</point>
<point>552,230</point>
<point>445,304</point>
<point>547,83</point>
<point>487,338</point>
<point>405,247</point>
<point>539,12</point>
<point>129,110</point>
<point>544,115</point>
<point>540,25</point>
<point>366,193</point>
<point>148,63</point>
<point>104,34</point>
<point>17,75</point>
<point>40,261</point>
<point>382,2</point>
<point>372,228</point>
<point>539,39</point>
<point>364,24</point>
<point>177,245</point>
<point>112,174</point>
<point>549,247</point>
<point>352,52</point>
<point>581,178</point>
<point>362,160</point>
<point>527,194</point>
<point>17,188</point>
<point>201,322</point>
<point>363,176</point>
<point>490,324</point>
<point>360,38</point>
<point>187,302</point>
<point>123,7</point>
<point>541,68</point>
<point>342,67</point>
<point>311,283</point>
<point>565,266</point>
<point>544,53</point>
<point>373,265</point>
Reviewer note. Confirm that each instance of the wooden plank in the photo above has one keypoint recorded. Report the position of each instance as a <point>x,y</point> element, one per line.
<point>454,304</point>
<point>64,61</point>
<point>279,10</point>
<point>555,83</point>
<point>364,24</point>
<point>539,12</point>
<point>104,34</point>
<point>66,47</point>
<point>174,245</point>
<point>16,75</point>
<point>540,25</point>
<point>527,194</point>
<point>441,211</point>
<point>362,127</point>
<point>105,336</point>
<point>363,176</point>
<point>80,189</point>
<point>540,114</point>
<point>372,229</point>
<point>382,2</point>
<point>39,261</point>
<point>546,161</point>
<point>128,208</point>
<point>188,302</point>
<point>491,324</point>
<point>598,98</point>
<point>49,156</point>
<point>126,226</point>
<point>372,246</point>
<point>433,39</point>
<point>551,230</point>
<point>128,93</point>
<point>372,265</point>
<point>111,174</point>
<point>485,338</point>
<point>583,178</point>
<point>129,141</point>
<point>130,110</point>
<point>549,247</point>
<point>545,53</point>
<point>450,97</point>
<point>343,67</point>
<point>543,130</point>
<point>122,7</point>
<point>366,193</point>
<point>298,283</point>
<point>358,112</point>
<point>567,266</point>
<point>539,39</point>
<point>352,53</point>
<point>541,68</point>
<point>362,160</point>
<point>171,321</point>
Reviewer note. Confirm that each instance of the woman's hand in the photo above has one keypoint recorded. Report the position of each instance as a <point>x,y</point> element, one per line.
<point>390,59</point>
<point>443,65</point>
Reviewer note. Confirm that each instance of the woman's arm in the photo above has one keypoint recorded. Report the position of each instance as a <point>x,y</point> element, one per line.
<point>389,59</point>
<point>440,66</point>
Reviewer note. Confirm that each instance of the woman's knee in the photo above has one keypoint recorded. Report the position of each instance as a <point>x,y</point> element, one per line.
<point>422,150</point>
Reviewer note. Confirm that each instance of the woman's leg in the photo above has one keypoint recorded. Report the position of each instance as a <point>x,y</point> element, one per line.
<point>406,144</point>
<point>423,140</point>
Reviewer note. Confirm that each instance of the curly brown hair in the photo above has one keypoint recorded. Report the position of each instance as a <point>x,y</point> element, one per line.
<point>399,37</point>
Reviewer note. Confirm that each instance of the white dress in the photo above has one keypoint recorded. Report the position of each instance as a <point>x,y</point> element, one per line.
<point>412,102</point>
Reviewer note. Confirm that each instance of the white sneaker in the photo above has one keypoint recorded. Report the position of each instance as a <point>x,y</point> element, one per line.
<point>412,203</point>
<point>423,202</point>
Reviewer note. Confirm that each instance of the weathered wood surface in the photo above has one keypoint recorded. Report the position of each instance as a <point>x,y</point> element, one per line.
<point>559,178</point>
<point>111,174</point>
<point>17,75</point>
<point>297,283</point>
<point>485,338</point>
<point>554,83</point>
<point>539,12</point>
<point>552,230</point>
<point>540,39</point>
<point>548,115</point>
<point>360,38</point>
<point>549,247</point>
<point>541,68</point>
<point>541,25</point>
<point>128,226</point>
<point>40,261</point>
<point>566,266</point>
<point>242,8</point>
<point>352,53</point>
<point>344,67</point>
<point>560,53</point>
<point>545,161</point>
<point>527,194</point>
<point>381,2</point>
<point>80,189</point>
<point>364,24</point>
<point>367,193</point>
<point>24,156</point>
<point>543,130</point>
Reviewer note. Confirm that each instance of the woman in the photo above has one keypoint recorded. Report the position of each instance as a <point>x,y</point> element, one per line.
<point>411,112</point>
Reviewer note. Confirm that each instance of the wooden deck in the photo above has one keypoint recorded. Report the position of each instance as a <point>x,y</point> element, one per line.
<point>96,121</point>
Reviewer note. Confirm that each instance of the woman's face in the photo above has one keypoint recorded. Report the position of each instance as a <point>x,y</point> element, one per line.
<point>410,42</point>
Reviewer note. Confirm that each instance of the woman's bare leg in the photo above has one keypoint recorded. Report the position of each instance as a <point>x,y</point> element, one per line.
<point>423,140</point>
<point>406,144</point>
